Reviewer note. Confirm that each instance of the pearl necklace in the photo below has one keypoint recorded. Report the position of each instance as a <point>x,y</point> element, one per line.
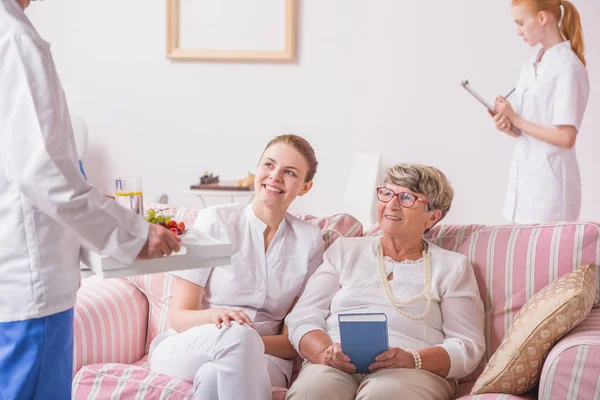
<point>425,294</point>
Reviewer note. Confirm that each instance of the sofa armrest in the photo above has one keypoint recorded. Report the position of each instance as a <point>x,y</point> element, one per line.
<point>571,368</point>
<point>110,323</point>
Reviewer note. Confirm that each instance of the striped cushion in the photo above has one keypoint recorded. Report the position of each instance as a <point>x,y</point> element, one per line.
<point>104,381</point>
<point>110,322</point>
<point>158,287</point>
<point>334,226</point>
<point>571,370</point>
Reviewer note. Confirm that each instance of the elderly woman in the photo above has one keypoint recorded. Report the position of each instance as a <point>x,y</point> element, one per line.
<point>430,296</point>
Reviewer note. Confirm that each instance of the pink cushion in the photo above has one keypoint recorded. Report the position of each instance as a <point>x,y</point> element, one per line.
<point>158,290</point>
<point>110,322</point>
<point>334,226</point>
<point>101,381</point>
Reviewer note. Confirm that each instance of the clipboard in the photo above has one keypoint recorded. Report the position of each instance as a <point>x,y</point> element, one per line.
<point>488,105</point>
<point>468,88</point>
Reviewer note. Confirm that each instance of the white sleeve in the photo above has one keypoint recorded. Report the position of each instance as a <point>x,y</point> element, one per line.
<point>37,154</point>
<point>315,258</point>
<point>207,222</point>
<point>571,96</point>
<point>463,321</point>
<point>313,308</point>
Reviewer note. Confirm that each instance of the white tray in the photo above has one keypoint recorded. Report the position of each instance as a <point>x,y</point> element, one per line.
<point>197,251</point>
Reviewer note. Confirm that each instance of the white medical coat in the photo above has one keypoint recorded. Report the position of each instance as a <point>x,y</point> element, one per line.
<point>544,183</point>
<point>46,207</point>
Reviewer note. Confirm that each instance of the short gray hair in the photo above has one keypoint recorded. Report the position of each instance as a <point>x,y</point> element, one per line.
<point>425,180</point>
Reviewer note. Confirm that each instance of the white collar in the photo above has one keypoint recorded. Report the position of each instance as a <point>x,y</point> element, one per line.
<point>257,222</point>
<point>553,52</point>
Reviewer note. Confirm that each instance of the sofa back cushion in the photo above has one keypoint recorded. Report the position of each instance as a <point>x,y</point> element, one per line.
<point>513,262</point>
<point>158,287</point>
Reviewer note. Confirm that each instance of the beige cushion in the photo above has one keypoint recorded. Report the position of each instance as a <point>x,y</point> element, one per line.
<point>549,315</point>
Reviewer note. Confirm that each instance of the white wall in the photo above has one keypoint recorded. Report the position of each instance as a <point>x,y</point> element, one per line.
<point>380,76</point>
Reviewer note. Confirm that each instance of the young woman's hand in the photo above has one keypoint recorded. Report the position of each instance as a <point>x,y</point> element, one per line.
<point>504,108</point>
<point>224,316</point>
<point>502,122</point>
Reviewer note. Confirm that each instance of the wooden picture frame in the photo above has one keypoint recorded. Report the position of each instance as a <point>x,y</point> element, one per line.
<point>287,52</point>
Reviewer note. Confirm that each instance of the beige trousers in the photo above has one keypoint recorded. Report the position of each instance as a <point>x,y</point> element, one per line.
<point>321,382</point>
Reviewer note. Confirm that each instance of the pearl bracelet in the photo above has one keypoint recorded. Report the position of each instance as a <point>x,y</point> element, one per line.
<point>416,357</point>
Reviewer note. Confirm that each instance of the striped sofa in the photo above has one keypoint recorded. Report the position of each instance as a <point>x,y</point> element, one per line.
<point>115,320</point>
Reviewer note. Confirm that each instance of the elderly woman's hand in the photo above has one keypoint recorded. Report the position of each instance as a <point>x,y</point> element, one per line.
<point>334,357</point>
<point>393,358</point>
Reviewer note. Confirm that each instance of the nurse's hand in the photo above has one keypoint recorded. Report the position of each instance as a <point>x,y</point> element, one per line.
<point>334,357</point>
<point>502,123</point>
<point>161,242</point>
<point>504,108</point>
<point>224,316</point>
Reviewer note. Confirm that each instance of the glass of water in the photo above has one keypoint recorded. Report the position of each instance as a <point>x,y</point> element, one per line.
<point>129,194</point>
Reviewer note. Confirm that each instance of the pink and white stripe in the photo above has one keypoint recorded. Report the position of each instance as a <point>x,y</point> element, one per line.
<point>158,289</point>
<point>572,368</point>
<point>122,381</point>
<point>110,322</point>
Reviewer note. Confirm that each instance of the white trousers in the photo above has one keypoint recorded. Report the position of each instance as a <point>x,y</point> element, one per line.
<point>225,364</point>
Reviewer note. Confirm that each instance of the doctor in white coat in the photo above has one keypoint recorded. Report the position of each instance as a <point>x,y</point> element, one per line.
<point>47,210</point>
<point>550,101</point>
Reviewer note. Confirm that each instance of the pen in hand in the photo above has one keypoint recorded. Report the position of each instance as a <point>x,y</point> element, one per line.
<point>505,97</point>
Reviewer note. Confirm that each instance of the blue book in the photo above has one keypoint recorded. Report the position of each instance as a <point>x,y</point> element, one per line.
<point>363,337</point>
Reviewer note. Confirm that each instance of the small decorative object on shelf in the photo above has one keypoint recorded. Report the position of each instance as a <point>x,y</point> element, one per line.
<point>246,182</point>
<point>208,178</point>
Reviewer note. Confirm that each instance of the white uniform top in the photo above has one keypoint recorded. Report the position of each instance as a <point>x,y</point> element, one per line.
<point>263,285</point>
<point>46,207</point>
<point>348,282</point>
<point>544,183</point>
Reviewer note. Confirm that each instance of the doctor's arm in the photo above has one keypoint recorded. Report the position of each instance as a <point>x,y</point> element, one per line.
<point>37,153</point>
<point>571,93</point>
<point>561,135</point>
<point>506,118</point>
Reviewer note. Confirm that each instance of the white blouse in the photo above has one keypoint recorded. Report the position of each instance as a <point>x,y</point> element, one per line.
<point>263,285</point>
<point>348,282</point>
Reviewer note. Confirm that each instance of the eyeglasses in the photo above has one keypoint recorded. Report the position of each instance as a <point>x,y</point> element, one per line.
<point>405,199</point>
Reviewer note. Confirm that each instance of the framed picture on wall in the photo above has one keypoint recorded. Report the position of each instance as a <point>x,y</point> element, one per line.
<point>232,30</point>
